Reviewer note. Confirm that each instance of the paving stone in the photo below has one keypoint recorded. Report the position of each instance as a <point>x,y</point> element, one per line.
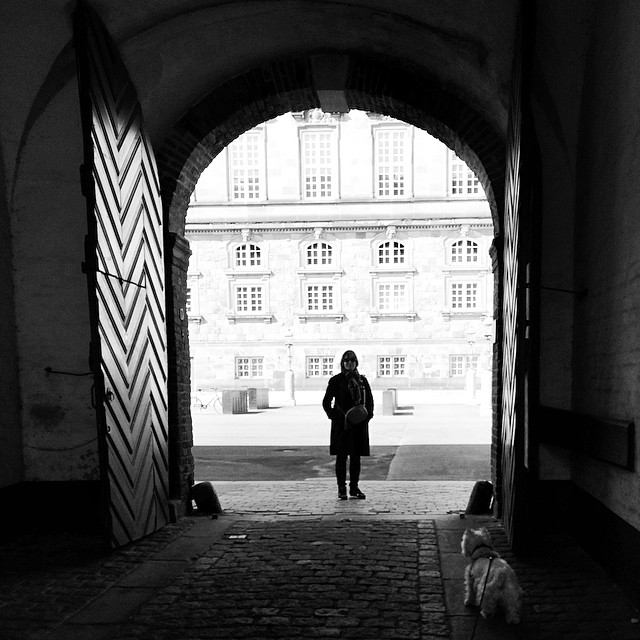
<point>368,571</point>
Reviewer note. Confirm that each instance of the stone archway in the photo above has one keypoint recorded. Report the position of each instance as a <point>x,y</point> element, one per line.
<point>258,95</point>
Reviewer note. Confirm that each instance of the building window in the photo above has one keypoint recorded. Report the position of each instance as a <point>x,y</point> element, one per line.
<point>392,297</point>
<point>249,298</point>
<point>458,364</point>
<point>248,255</point>
<point>249,367</point>
<point>391,156</point>
<point>389,366</point>
<point>246,155</point>
<point>463,181</point>
<point>320,298</point>
<point>391,253</point>
<point>319,366</point>
<point>317,163</point>
<point>464,295</point>
<point>192,298</point>
<point>464,251</point>
<point>319,253</point>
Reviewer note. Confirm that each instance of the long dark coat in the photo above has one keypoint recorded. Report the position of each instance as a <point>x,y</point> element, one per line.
<point>337,400</point>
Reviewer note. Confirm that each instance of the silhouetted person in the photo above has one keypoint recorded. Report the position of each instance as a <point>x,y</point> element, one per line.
<point>347,397</point>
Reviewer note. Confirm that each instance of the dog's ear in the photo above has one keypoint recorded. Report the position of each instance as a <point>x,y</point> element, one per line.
<point>485,533</point>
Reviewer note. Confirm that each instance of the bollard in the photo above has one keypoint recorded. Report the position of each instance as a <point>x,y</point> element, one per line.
<point>388,403</point>
<point>234,401</point>
<point>481,498</point>
<point>257,398</point>
<point>206,498</point>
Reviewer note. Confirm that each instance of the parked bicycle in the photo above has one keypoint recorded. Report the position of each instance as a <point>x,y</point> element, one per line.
<point>205,398</point>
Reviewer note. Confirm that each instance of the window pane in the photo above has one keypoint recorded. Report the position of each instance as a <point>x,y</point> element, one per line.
<point>248,255</point>
<point>391,366</point>
<point>250,367</point>
<point>317,163</point>
<point>319,366</point>
<point>391,253</point>
<point>464,251</point>
<point>249,299</point>
<point>390,162</point>
<point>463,180</point>
<point>319,297</point>
<point>391,297</point>
<point>464,295</point>
<point>245,155</point>
<point>458,364</point>
<point>319,254</point>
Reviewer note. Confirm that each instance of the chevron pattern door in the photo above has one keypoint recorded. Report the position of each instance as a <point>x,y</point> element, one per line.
<point>512,442</point>
<point>125,270</point>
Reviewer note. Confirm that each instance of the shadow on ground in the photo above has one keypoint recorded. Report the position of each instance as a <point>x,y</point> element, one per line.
<point>410,462</point>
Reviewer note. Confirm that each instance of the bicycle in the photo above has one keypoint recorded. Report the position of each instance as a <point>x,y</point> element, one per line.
<point>215,402</point>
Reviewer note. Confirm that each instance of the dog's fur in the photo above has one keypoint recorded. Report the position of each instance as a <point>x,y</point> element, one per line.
<point>502,588</point>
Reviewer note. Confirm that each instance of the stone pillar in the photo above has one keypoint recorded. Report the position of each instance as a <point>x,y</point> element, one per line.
<point>289,388</point>
<point>181,466</point>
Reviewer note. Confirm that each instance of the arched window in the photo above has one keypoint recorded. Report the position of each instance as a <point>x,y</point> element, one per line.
<point>248,255</point>
<point>464,251</point>
<point>391,252</point>
<point>319,253</point>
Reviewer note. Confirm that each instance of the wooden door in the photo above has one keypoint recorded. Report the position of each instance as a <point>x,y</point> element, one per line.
<point>125,271</point>
<point>516,309</point>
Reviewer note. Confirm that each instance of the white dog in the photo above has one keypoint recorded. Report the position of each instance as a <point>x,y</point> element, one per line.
<point>489,581</point>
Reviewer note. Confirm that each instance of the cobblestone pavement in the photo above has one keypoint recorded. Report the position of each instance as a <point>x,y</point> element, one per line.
<point>315,498</point>
<point>290,561</point>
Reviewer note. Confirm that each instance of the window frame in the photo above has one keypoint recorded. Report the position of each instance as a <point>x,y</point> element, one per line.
<point>320,287</point>
<point>238,146</point>
<point>403,167</point>
<point>392,358</point>
<point>470,361</point>
<point>315,279</point>
<point>392,308</point>
<point>316,265</point>
<point>326,364</point>
<point>192,298</point>
<point>465,284</point>
<point>251,360</point>
<point>459,171</point>
<point>464,252</point>
<point>248,285</point>
<point>305,135</point>
<point>395,242</point>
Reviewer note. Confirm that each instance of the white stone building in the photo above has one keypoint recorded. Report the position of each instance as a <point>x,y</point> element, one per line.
<point>312,234</point>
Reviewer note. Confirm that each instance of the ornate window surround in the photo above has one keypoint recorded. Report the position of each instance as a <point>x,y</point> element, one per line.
<point>462,272</point>
<point>317,274</point>
<point>392,274</point>
<point>248,275</point>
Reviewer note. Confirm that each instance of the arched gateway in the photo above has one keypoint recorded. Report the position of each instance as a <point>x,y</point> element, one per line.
<point>336,81</point>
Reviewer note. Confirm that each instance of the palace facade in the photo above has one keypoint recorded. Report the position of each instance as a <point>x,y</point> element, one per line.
<point>316,233</point>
